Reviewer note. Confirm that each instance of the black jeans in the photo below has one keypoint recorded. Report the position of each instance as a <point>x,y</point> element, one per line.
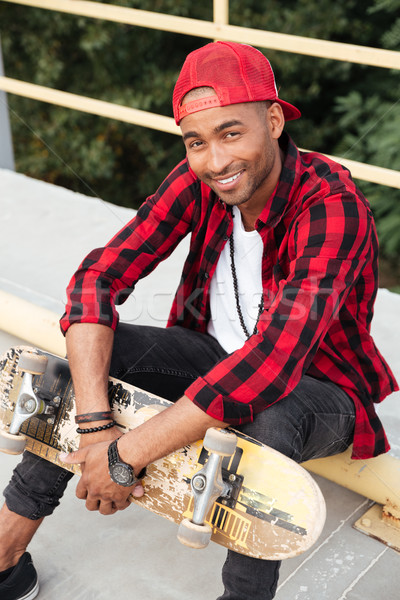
<point>315,420</point>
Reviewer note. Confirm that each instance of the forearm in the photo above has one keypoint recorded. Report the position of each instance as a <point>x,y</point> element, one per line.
<point>175,427</point>
<point>89,348</point>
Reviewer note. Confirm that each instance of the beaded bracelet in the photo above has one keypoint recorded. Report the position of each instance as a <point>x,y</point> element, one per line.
<point>95,429</point>
<point>94,416</point>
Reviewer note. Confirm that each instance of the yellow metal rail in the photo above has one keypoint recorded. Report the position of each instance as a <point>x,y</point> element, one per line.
<point>33,324</point>
<point>376,478</point>
<point>143,118</point>
<point>364,55</point>
<point>89,105</point>
<point>219,29</point>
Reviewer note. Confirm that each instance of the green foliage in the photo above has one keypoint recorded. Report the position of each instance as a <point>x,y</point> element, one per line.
<point>391,38</point>
<point>369,115</point>
<point>131,66</point>
<point>349,110</point>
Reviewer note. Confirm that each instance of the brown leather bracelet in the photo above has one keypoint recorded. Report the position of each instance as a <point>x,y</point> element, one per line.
<point>94,416</point>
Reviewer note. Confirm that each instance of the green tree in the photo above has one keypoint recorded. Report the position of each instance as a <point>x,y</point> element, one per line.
<point>127,65</point>
<point>369,116</point>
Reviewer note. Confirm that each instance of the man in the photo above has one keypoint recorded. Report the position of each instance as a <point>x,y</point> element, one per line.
<point>269,329</point>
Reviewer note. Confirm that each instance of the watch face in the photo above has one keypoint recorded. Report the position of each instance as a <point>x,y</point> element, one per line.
<point>122,474</point>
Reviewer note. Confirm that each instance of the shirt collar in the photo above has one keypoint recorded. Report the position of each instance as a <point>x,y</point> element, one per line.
<point>280,199</point>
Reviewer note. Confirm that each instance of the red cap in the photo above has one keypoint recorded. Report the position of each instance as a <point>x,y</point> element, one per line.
<point>237,73</point>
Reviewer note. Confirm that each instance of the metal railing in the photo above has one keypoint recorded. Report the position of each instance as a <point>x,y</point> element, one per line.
<point>6,147</point>
<point>220,29</point>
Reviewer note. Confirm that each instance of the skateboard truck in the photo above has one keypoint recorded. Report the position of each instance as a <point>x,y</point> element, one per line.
<point>207,485</point>
<point>28,404</point>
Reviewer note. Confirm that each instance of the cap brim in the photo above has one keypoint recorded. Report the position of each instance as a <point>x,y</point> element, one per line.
<point>290,112</point>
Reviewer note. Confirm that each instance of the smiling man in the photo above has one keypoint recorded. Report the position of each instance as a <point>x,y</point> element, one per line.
<point>269,330</point>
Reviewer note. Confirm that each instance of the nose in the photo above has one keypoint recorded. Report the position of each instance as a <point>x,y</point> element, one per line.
<point>218,160</point>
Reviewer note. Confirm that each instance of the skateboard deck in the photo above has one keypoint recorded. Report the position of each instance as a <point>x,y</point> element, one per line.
<point>276,510</point>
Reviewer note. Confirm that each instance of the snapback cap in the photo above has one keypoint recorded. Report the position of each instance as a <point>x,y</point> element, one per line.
<point>236,72</point>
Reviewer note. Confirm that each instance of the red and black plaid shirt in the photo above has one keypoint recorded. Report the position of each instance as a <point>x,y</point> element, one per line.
<point>319,275</point>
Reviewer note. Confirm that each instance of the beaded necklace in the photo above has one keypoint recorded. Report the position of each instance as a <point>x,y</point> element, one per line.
<point>236,290</point>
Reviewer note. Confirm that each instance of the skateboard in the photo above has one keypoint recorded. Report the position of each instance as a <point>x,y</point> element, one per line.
<point>228,487</point>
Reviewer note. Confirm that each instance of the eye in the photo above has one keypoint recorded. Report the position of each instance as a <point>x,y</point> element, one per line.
<point>231,134</point>
<point>194,145</point>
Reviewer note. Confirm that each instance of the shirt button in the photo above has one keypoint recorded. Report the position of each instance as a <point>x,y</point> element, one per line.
<point>206,276</point>
<point>225,238</point>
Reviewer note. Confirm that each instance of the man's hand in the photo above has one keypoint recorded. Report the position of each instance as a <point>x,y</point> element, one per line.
<point>96,486</point>
<point>89,349</point>
<point>86,440</point>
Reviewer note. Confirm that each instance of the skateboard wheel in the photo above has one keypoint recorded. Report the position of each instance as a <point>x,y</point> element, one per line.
<point>32,363</point>
<point>12,444</point>
<point>220,441</point>
<point>193,535</point>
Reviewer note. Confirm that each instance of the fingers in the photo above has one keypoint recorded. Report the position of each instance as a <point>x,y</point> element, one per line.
<point>81,490</point>
<point>73,458</point>
<point>104,508</point>
<point>106,505</point>
<point>137,491</point>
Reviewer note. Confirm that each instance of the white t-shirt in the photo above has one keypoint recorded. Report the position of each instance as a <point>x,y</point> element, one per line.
<point>224,323</point>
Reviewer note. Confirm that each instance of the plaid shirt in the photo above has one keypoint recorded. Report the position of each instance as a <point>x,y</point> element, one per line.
<point>319,273</point>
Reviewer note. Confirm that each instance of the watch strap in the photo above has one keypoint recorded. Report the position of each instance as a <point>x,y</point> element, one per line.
<point>114,457</point>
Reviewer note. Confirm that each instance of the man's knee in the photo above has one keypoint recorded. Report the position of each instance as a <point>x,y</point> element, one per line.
<point>36,487</point>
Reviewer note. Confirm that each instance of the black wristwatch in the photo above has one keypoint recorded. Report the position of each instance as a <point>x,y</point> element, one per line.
<point>121,472</point>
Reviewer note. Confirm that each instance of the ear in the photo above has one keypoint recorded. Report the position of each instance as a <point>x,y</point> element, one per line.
<point>276,120</point>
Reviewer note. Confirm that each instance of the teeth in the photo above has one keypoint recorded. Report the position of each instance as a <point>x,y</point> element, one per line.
<point>230,179</point>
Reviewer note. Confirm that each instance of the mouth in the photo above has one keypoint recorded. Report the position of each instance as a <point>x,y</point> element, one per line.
<point>229,181</point>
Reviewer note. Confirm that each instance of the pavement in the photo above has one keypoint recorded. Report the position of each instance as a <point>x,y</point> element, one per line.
<point>84,556</point>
